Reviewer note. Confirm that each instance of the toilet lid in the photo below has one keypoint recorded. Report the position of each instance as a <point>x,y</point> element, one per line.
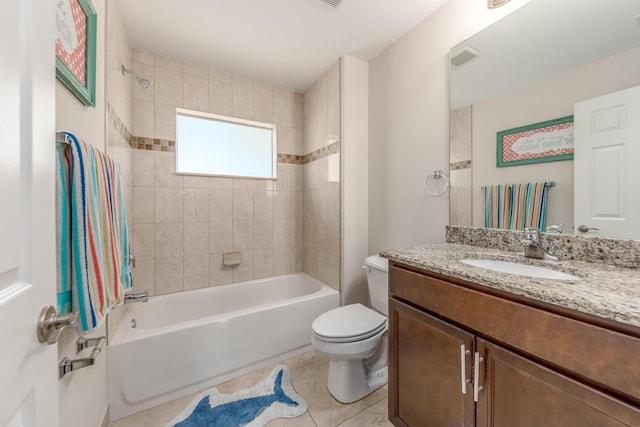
<point>348,323</point>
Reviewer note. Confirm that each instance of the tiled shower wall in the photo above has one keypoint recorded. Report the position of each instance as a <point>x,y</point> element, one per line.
<point>119,116</point>
<point>460,167</point>
<point>322,178</point>
<point>183,224</point>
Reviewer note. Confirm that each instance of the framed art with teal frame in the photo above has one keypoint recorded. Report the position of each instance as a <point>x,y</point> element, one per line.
<point>76,24</point>
<point>547,141</point>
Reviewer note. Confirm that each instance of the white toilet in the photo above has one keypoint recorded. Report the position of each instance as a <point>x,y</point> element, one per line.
<point>354,338</point>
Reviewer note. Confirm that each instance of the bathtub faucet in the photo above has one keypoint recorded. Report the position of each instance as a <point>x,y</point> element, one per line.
<point>141,297</point>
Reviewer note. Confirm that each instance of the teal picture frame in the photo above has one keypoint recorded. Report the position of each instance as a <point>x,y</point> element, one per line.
<point>557,134</point>
<point>85,92</point>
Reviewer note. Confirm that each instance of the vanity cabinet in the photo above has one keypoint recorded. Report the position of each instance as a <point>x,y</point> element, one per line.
<point>534,367</point>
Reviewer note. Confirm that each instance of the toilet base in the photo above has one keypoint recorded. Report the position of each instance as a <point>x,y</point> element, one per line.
<point>349,382</point>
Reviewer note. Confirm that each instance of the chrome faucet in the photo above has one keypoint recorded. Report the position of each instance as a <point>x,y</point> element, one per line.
<point>141,297</point>
<point>555,227</point>
<point>533,245</point>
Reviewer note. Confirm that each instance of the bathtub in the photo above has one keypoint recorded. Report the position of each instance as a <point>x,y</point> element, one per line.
<point>180,343</point>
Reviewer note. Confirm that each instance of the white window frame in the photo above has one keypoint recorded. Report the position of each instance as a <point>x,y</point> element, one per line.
<point>233,120</point>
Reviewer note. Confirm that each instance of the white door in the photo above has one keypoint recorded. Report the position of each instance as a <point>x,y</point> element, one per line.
<point>607,165</point>
<point>28,369</point>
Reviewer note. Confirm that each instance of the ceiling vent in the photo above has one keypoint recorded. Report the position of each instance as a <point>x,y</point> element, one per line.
<point>465,55</point>
<point>332,3</point>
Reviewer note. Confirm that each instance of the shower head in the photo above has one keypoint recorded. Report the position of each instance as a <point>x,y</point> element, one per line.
<point>144,83</point>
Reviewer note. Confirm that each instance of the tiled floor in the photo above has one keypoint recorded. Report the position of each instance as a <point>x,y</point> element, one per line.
<point>309,378</point>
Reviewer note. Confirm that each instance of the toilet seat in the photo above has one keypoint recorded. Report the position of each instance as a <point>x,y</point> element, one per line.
<point>348,323</point>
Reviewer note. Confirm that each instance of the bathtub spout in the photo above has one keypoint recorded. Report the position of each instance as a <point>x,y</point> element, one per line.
<point>141,297</point>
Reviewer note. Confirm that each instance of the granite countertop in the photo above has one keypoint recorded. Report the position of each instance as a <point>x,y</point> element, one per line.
<point>607,291</point>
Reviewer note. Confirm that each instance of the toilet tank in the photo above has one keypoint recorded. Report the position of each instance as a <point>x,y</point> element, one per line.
<point>378,282</point>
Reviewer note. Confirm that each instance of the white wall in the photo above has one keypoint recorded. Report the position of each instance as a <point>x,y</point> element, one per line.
<point>409,124</point>
<point>83,394</point>
<point>354,151</point>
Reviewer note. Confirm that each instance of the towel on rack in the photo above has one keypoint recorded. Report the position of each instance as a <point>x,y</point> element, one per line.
<point>92,234</point>
<point>516,206</point>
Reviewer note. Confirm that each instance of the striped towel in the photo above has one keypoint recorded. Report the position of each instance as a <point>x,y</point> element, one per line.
<point>516,206</point>
<point>92,234</point>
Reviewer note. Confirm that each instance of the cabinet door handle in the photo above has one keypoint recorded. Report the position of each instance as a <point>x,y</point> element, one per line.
<point>477,360</point>
<point>463,368</point>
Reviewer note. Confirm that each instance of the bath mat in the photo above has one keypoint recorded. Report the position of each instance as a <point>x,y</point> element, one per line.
<point>273,397</point>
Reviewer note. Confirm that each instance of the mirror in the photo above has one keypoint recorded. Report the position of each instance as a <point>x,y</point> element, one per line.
<point>531,67</point>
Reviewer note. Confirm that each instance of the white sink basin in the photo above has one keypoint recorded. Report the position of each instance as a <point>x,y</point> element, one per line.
<point>519,269</point>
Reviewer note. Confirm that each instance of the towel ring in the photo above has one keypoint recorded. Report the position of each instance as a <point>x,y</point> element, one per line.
<point>436,175</point>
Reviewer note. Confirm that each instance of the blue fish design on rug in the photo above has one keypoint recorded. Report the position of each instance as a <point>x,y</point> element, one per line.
<point>274,397</point>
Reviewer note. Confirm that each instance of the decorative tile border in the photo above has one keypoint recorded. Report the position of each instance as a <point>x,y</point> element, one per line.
<point>152,144</point>
<point>155,144</point>
<point>465,164</point>
<point>116,123</point>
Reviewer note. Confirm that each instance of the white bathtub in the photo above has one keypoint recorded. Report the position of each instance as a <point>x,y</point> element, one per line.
<point>193,340</point>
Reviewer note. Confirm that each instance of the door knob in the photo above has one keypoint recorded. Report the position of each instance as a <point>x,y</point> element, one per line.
<point>584,228</point>
<point>50,324</point>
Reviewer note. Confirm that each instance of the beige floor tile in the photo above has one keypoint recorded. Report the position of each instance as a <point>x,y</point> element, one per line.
<point>310,382</point>
<point>309,378</point>
<point>373,416</point>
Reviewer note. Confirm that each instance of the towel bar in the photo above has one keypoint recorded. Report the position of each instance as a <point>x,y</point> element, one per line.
<point>549,184</point>
<point>67,365</point>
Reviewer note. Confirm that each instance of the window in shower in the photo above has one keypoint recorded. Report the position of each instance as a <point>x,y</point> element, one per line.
<point>209,144</point>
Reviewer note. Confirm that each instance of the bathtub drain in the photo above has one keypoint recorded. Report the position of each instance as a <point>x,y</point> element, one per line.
<point>133,323</point>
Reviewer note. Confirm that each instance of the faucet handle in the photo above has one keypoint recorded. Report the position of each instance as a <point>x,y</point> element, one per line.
<point>532,234</point>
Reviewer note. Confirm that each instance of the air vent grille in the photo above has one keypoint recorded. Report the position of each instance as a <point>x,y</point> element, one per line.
<point>332,3</point>
<point>465,55</point>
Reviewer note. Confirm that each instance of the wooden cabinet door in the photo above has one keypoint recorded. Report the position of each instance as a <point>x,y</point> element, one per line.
<point>519,392</point>
<point>426,370</point>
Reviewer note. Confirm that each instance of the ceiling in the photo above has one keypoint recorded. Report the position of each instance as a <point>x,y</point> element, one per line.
<point>287,42</point>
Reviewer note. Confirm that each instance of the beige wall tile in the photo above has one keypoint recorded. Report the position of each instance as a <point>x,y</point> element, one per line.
<point>243,183</point>
<point>195,70</point>
<point>220,204</point>
<point>242,204</point>
<point>219,274</point>
<point>144,276</point>
<point>243,235</point>
<point>284,179</point>
<point>285,140</point>
<point>143,57</point>
<point>311,261</point>
<point>242,102</point>
<point>297,254</point>
<point>297,177</point>
<point>260,86</point>
<point>193,181</point>
<point>144,241</point>
<point>263,184</point>
<point>282,111</point>
<point>169,240</point>
<point>263,108</point>
<point>165,121</point>
<point>143,118</point>
<point>262,263</point>
<point>196,272</point>
<point>220,98</point>
<point>169,275</point>
<point>220,76</point>
<point>263,233</point>
<point>144,208</point>
<point>242,82</point>
<point>165,165</point>
<point>168,63</point>
<point>282,261</point>
<point>221,236</point>
<point>196,238</point>
<point>169,204</point>
<point>283,232</point>
<point>244,271</point>
<point>263,204</point>
<point>333,102</point>
<point>195,92</point>
<point>220,182</point>
<point>284,205</point>
<point>196,204</point>
<point>168,86</point>
<point>144,170</point>
<point>333,270</point>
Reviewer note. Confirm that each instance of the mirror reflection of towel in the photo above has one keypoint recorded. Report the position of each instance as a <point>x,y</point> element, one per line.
<point>516,206</point>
